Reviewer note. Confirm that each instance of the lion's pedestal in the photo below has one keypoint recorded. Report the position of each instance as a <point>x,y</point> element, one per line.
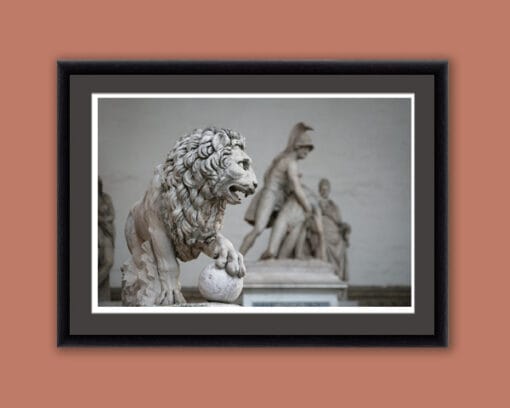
<point>292,282</point>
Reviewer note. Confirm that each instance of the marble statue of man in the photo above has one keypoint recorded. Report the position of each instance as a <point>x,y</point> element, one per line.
<point>106,241</point>
<point>290,228</point>
<point>280,180</point>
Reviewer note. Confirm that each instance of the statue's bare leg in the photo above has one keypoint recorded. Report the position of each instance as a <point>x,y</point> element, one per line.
<point>290,242</point>
<point>264,210</point>
<point>291,215</point>
<point>278,232</point>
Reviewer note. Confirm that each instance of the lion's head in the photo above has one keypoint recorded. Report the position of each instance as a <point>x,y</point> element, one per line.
<point>205,170</point>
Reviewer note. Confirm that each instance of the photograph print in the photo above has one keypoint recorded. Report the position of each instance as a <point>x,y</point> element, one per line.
<point>249,202</point>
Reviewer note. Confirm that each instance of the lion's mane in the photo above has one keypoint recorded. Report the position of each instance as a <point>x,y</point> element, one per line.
<point>191,178</point>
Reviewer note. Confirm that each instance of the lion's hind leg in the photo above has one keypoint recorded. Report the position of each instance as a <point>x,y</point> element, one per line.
<point>134,242</point>
<point>168,267</point>
<point>140,281</point>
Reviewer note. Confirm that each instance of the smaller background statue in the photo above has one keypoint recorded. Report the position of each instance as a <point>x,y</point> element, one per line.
<point>321,235</point>
<point>106,242</point>
<point>336,232</point>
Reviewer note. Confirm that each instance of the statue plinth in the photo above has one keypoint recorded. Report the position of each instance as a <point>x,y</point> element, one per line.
<point>293,282</point>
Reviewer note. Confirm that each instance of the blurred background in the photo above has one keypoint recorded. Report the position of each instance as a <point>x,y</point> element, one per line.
<point>363,146</point>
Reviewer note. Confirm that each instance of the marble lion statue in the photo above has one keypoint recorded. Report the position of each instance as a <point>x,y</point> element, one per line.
<point>181,214</point>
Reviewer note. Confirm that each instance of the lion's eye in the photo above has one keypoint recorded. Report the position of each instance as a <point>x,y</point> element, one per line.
<point>245,164</point>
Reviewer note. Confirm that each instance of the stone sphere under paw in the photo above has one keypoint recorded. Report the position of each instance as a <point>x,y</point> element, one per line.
<point>217,285</point>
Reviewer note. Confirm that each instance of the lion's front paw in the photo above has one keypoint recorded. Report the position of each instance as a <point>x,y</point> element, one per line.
<point>171,297</point>
<point>231,260</point>
<point>235,265</point>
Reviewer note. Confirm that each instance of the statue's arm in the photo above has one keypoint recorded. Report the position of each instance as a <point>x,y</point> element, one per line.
<point>335,212</point>
<point>226,256</point>
<point>295,184</point>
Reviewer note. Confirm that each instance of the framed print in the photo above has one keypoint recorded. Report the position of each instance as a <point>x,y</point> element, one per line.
<point>231,203</point>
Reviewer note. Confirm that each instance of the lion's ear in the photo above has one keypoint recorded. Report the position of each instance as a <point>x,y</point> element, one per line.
<point>219,141</point>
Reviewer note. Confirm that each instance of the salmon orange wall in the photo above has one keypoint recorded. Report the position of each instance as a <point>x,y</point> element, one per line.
<point>471,372</point>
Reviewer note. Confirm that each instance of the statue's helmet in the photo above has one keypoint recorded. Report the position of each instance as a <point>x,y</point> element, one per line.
<point>299,137</point>
<point>304,140</point>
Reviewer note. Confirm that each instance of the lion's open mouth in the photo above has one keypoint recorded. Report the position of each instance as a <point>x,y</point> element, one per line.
<point>237,192</point>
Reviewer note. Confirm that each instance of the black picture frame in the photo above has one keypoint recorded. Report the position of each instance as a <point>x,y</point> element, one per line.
<point>67,200</point>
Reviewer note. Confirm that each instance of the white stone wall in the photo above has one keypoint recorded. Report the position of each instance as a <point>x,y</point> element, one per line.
<point>361,145</point>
